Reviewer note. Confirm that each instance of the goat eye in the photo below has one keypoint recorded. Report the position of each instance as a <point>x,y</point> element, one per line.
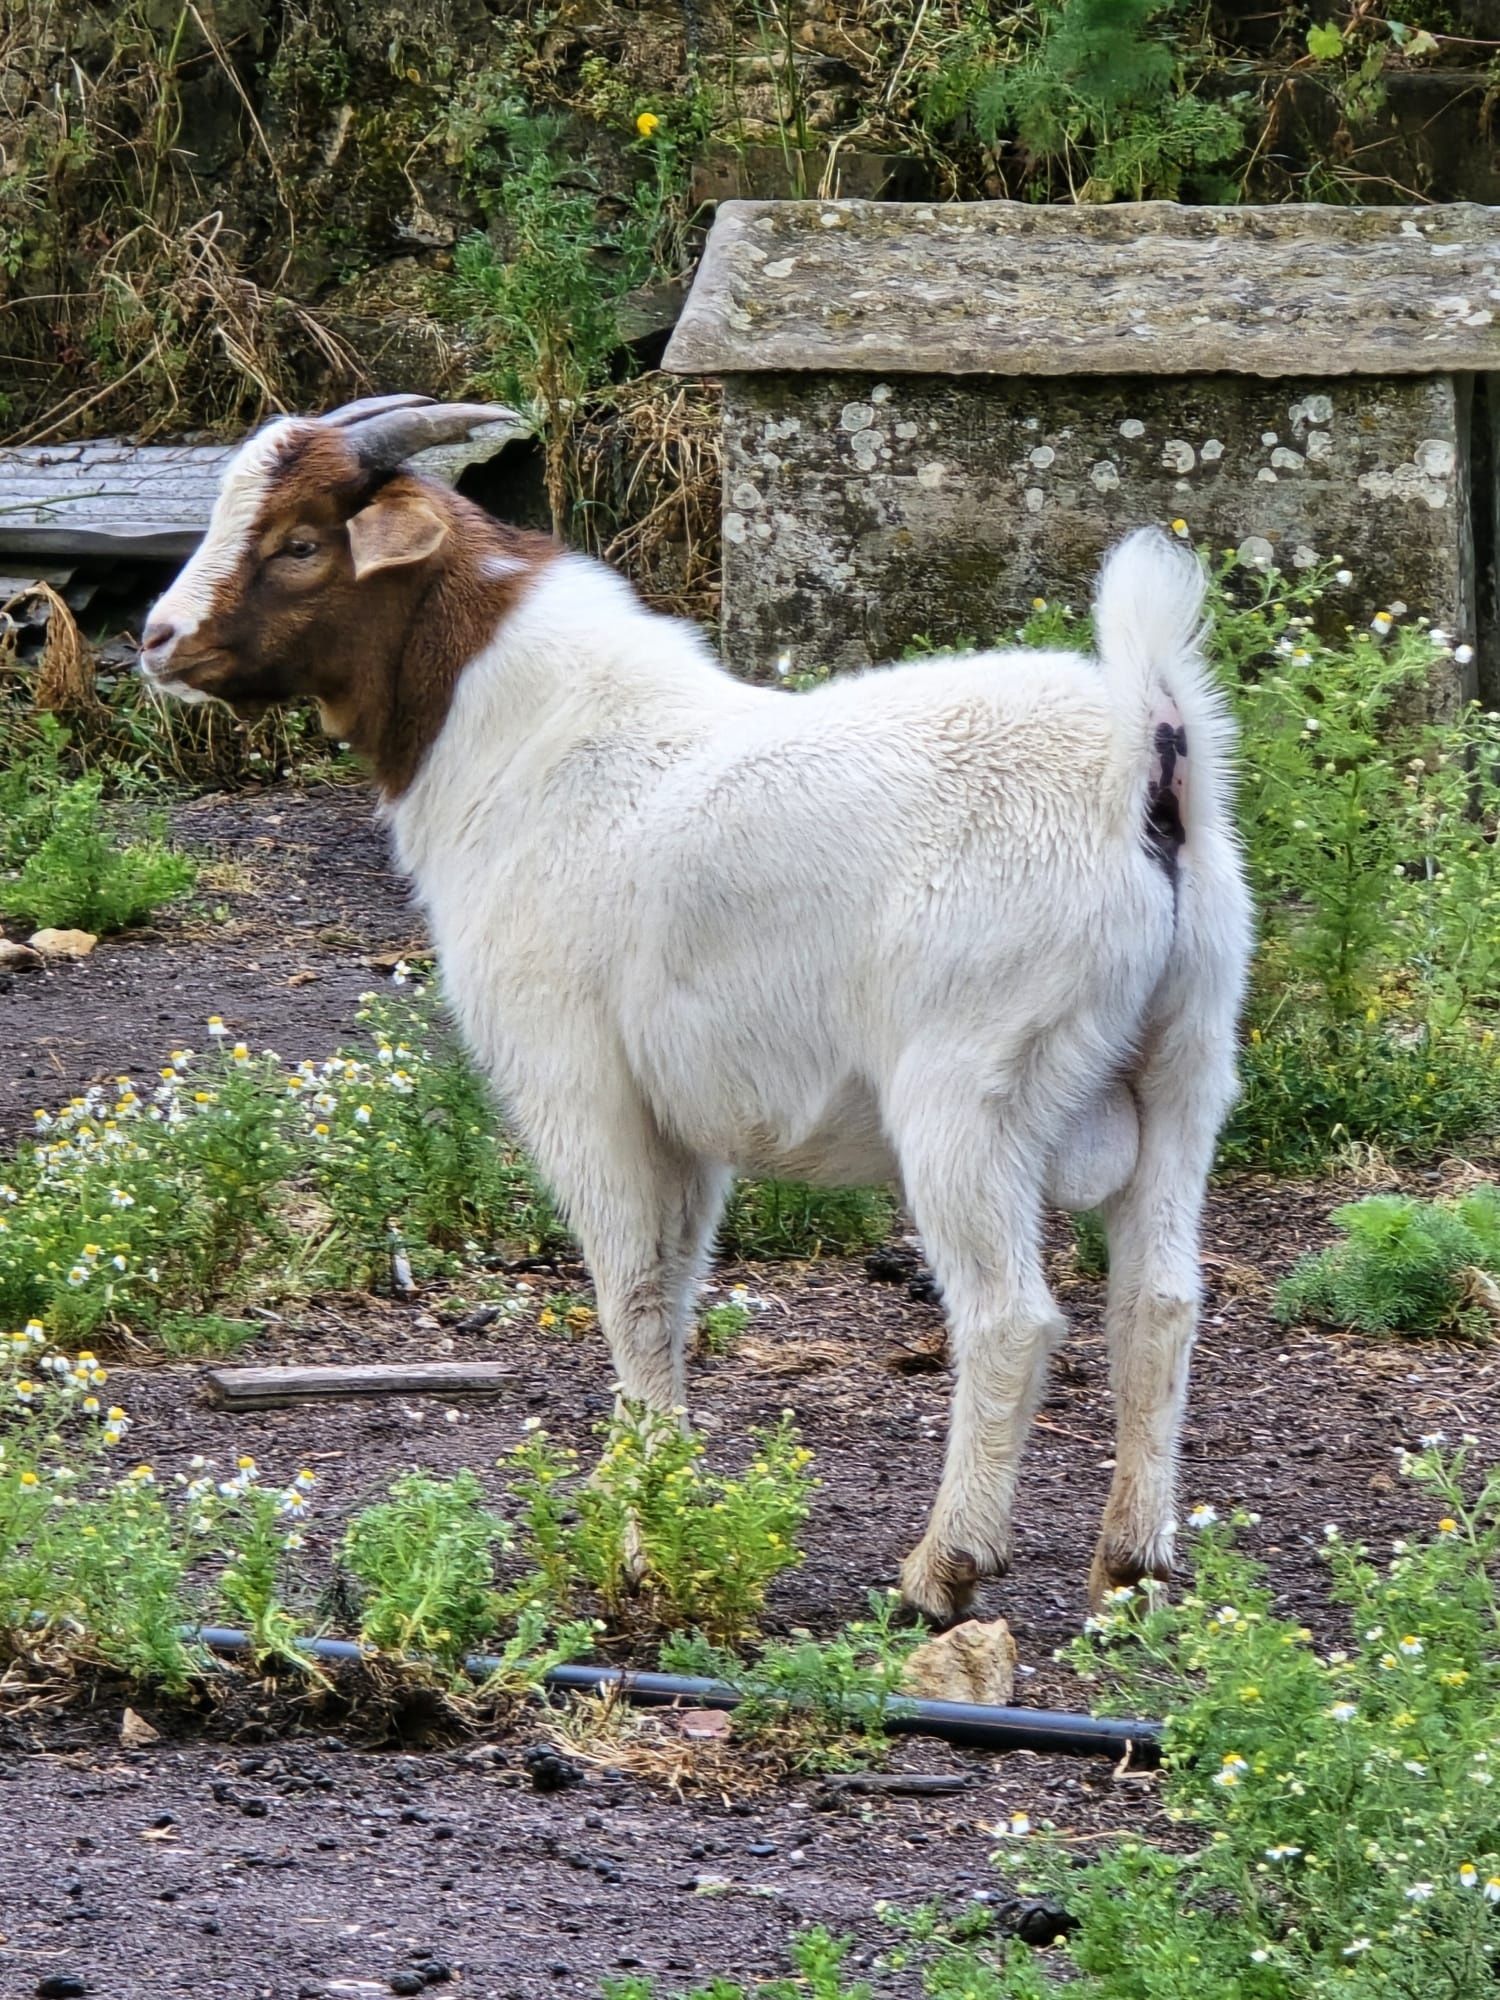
<point>300,549</point>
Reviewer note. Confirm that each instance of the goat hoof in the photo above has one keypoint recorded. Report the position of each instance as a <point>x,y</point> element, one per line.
<point>1115,1569</point>
<point>939,1584</point>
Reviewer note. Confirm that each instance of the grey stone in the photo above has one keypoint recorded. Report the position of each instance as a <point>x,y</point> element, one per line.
<point>1132,288</point>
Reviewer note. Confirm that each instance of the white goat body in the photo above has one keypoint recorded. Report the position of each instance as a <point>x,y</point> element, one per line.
<point>903,926</point>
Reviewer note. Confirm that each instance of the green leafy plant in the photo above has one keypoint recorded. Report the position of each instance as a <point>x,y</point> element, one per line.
<point>542,292</point>
<point>423,1560</point>
<point>127,1206</point>
<point>405,1143</point>
<point>656,1540</point>
<point>71,873</point>
<point>720,1327</point>
<point>1337,1822</point>
<point>1404,1266</point>
<point>258,1536</point>
<point>822,1703</point>
<point>1101,92</point>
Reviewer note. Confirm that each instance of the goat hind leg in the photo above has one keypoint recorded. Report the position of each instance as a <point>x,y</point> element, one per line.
<point>1152,1225</point>
<point>977,1204</point>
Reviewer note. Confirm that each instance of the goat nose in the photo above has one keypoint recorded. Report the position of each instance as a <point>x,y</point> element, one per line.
<point>158,635</point>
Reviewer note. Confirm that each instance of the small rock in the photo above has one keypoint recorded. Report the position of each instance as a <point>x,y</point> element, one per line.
<point>254,1808</point>
<point>19,957</point>
<point>549,1771</point>
<point>706,1724</point>
<point>407,1982</point>
<point>975,1661</point>
<point>61,1986</point>
<point>136,1732</point>
<point>760,1848</point>
<point>436,1971</point>
<point>62,944</point>
<point>1039,1923</point>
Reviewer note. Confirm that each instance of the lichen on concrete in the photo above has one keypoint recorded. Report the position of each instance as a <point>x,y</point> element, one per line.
<point>867,512</point>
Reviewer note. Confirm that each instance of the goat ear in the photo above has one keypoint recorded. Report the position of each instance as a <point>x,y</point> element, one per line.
<point>394,529</point>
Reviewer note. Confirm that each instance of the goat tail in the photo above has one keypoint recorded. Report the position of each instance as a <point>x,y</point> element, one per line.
<point>1168,713</point>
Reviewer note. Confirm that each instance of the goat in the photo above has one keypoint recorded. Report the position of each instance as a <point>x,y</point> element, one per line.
<point>960,924</point>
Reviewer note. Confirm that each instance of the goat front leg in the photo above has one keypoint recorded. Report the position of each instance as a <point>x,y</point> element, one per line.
<point>973,1183</point>
<point>644,1212</point>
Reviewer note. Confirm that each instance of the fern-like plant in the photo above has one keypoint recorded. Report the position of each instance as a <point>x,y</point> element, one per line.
<point>1103,95</point>
<point>1405,1266</point>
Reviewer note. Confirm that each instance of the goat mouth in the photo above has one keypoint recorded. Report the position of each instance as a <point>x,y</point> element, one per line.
<point>170,679</point>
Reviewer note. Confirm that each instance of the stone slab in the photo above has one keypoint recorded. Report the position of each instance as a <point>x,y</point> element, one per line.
<point>861,516</point>
<point>1128,288</point>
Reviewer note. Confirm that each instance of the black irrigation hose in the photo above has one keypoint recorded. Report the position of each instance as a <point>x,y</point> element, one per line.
<point>973,1723</point>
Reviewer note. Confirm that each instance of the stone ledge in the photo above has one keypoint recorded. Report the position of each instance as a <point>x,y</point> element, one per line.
<point>1133,288</point>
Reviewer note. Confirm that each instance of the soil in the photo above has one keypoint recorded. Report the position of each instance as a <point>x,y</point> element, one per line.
<point>264,1849</point>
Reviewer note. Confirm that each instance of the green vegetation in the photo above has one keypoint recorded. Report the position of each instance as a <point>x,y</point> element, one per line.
<point>1105,98</point>
<point>123,1566</point>
<point>658,1542</point>
<point>423,1563</point>
<point>821,1704</point>
<point>1404,1266</point>
<point>545,308</point>
<point>720,1327</point>
<point>1090,1245</point>
<point>233,1180</point>
<point>782,1220</point>
<point>59,865</point>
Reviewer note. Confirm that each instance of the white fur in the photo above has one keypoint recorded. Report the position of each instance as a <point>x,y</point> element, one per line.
<point>216,560</point>
<point>902,926</point>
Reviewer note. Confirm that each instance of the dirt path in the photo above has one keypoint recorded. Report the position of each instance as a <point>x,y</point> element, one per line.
<point>230,1868</point>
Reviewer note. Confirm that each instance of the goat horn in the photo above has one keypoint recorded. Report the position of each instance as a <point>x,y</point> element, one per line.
<point>370,406</point>
<point>390,437</point>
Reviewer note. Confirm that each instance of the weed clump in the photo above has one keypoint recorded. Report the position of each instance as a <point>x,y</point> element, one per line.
<point>657,1541</point>
<point>818,1704</point>
<point>1404,1266</point>
<point>59,864</point>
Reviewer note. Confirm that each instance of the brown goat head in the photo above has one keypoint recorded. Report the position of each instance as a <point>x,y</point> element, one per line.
<point>328,573</point>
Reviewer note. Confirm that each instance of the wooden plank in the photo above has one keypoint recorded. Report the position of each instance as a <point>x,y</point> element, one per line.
<point>106,497</point>
<point>278,1388</point>
<point>1123,288</point>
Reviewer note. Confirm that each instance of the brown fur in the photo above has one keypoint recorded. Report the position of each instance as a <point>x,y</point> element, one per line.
<point>381,654</point>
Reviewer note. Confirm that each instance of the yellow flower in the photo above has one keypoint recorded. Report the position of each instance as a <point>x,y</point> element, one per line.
<point>1447,1526</point>
<point>647,123</point>
<point>28,1479</point>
